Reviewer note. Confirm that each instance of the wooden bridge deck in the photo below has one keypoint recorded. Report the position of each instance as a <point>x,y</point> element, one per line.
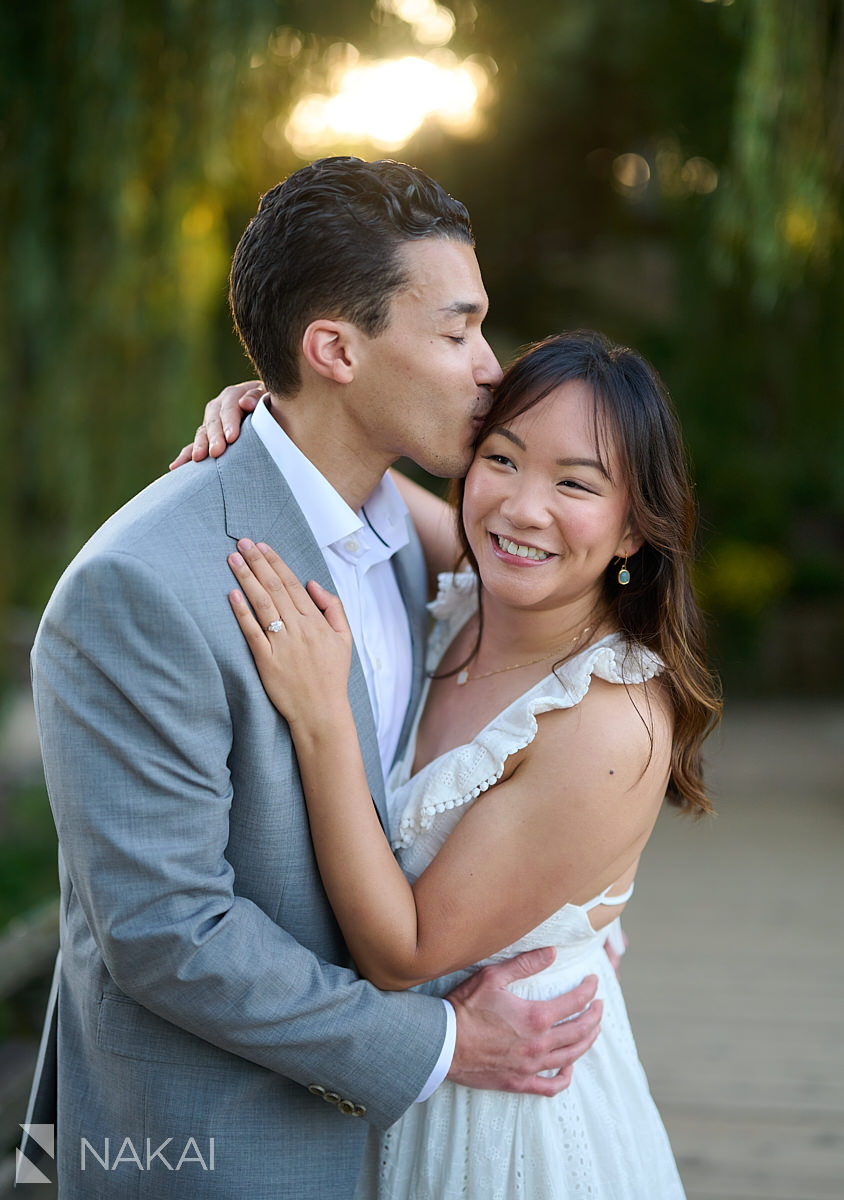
<point>735,976</point>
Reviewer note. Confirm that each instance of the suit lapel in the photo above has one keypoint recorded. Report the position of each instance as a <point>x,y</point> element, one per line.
<point>260,505</point>
<point>410,575</point>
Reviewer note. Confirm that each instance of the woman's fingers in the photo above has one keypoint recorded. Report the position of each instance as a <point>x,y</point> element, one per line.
<point>276,594</point>
<point>301,645</point>
<point>224,415</point>
<point>265,608</point>
<point>262,587</point>
<point>201,444</point>
<point>274,572</point>
<point>248,401</point>
<point>330,606</point>
<point>256,638</point>
<point>184,456</point>
<point>272,588</point>
<point>221,422</point>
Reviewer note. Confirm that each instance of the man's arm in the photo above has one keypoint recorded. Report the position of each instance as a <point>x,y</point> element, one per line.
<point>436,524</point>
<point>136,733</point>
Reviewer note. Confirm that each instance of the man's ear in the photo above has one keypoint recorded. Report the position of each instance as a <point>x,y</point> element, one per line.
<point>329,349</point>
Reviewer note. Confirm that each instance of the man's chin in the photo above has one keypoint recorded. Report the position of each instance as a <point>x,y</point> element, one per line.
<point>450,467</point>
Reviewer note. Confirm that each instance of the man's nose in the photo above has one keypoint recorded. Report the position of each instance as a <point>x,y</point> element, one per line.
<point>487,367</point>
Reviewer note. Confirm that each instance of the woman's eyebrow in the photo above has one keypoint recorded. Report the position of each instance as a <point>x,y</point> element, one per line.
<point>561,462</point>
<point>507,433</point>
<point>583,462</point>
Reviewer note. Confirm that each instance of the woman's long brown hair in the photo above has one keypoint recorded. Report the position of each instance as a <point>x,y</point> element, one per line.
<point>657,609</point>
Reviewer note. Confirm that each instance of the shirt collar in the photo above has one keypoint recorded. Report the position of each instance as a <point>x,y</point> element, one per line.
<point>383,517</point>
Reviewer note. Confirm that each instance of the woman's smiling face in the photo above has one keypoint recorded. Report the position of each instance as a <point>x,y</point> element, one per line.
<point>545,511</point>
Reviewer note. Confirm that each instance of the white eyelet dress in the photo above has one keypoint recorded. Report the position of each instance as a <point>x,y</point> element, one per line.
<point>602,1137</point>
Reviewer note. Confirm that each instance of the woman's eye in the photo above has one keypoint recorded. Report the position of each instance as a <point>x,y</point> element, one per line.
<point>572,483</point>
<point>460,340</point>
<point>501,459</point>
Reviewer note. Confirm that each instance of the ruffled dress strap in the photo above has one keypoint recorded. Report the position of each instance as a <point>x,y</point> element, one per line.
<point>455,603</point>
<point>460,775</point>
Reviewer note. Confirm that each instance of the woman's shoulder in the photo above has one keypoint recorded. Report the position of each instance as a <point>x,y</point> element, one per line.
<point>607,698</point>
<point>622,709</point>
<point>457,777</point>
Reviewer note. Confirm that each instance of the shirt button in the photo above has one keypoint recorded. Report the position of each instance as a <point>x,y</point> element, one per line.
<point>351,546</point>
<point>378,666</point>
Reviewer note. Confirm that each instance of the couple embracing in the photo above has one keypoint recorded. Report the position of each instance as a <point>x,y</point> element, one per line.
<point>343,987</point>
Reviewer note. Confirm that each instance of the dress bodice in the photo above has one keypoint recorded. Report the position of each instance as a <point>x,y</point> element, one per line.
<point>425,807</point>
<point>602,1136</point>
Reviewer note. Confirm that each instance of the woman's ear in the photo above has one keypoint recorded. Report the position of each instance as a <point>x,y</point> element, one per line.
<point>631,541</point>
<point>328,347</point>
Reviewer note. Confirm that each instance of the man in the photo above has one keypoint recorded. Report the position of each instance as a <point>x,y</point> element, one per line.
<point>212,1038</point>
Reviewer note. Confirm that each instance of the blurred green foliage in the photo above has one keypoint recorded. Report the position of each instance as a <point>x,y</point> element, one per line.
<point>136,139</point>
<point>28,850</point>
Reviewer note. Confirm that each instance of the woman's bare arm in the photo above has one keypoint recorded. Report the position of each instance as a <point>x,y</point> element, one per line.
<point>571,818</point>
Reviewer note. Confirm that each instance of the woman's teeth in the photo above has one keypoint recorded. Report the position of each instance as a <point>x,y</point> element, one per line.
<point>521,551</point>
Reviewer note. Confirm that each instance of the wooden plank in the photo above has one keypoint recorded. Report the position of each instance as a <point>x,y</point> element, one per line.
<point>735,976</point>
<point>757,1157</point>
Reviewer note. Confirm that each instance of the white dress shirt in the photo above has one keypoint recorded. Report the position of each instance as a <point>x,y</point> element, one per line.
<point>357,548</point>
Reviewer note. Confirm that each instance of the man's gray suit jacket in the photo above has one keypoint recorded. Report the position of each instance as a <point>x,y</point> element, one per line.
<point>203,985</point>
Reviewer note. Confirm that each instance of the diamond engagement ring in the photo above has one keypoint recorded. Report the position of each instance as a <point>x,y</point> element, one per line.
<point>275,627</point>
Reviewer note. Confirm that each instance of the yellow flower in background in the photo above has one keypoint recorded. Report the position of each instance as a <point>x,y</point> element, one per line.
<point>743,577</point>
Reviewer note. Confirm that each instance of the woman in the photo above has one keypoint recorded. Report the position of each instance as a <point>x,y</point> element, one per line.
<point>568,696</point>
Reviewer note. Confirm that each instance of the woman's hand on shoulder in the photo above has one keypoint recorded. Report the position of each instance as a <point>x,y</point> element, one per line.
<point>221,422</point>
<point>299,637</point>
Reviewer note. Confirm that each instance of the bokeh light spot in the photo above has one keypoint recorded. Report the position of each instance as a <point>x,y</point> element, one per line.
<point>432,24</point>
<point>799,227</point>
<point>386,102</point>
<point>631,174</point>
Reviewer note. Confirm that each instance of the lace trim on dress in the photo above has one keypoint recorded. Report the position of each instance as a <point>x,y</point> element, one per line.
<point>457,594</point>
<point>456,601</point>
<point>478,765</point>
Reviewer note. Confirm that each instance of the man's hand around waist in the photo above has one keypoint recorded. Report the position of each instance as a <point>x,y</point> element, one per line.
<point>504,1042</point>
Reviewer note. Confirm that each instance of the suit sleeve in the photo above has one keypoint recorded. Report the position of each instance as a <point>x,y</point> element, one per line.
<point>136,731</point>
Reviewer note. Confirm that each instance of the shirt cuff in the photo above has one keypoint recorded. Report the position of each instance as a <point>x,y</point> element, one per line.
<point>446,1055</point>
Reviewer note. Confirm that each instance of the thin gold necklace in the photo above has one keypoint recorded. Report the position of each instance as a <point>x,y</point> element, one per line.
<point>463,677</point>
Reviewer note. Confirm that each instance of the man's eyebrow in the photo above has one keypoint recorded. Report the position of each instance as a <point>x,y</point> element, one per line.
<point>561,462</point>
<point>462,307</point>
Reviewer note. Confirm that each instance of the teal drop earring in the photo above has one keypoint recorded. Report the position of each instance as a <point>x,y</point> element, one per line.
<point>624,574</point>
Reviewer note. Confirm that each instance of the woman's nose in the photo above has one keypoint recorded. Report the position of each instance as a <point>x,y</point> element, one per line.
<point>525,506</point>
